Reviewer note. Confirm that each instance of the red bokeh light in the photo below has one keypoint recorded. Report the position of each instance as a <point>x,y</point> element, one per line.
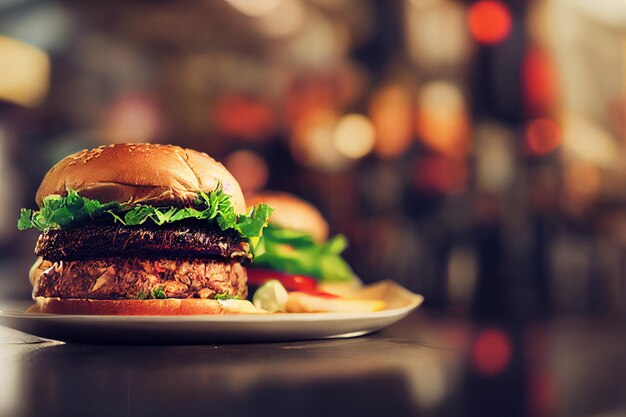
<point>539,81</point>
<point>542,136</point>
<point>489,21</point>
<point>244,117</point>
<point>491,352</point>
<point>440,175</point>
<point>542,391</point>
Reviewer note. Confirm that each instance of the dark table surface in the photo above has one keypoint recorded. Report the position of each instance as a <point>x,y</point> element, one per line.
<point>423,365</point>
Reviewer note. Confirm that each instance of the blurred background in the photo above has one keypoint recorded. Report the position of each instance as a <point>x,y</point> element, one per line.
<point>470,150</point>
<point>473,151</point>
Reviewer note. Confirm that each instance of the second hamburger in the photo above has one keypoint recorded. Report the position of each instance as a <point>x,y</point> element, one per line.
<point>295,247</point>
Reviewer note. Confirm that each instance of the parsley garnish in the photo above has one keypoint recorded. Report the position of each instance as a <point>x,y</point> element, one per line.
<point>226,296</point>
<point>158,293</point>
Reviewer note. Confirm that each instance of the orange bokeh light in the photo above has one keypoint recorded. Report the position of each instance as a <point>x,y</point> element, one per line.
<point>582,180</point>
<point>249,169</point>
<point>391,111</point>
<point>489,21</point>
<point>542,136</point>
<point>491,352</point>
<point>441,119</point>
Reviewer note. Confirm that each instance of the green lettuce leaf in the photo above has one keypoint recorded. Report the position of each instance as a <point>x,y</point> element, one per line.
<point>60,212</point>
<point>297,253</point>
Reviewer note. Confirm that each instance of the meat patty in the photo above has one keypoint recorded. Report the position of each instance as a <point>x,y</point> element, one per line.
<point>123,278</point>
<point>176,240</point>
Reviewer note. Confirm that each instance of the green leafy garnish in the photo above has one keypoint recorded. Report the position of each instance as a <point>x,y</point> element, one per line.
<point>59,212</point>
<point>297,253</point>
<point>141,295</point>
<point>158,293</point>
<point>226,296</point>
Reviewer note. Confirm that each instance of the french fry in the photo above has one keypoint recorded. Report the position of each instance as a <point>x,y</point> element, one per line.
<point>299,302</point>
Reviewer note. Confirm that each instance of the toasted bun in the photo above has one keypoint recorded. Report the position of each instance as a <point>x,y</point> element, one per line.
<point>160,175</point>
<point>291,212</point>
<point>166,307</point>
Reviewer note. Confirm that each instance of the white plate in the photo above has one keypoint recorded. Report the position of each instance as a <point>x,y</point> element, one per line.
<point>218,328</point>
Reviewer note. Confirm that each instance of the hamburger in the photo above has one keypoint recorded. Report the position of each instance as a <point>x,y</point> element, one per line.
<point>142,229</point>
<point>296,248</point>
<point>298,268</point>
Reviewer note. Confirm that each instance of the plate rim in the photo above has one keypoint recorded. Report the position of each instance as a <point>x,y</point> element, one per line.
<point>256,317</point>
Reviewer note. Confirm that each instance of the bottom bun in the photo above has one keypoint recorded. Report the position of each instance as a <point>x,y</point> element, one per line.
<point>165,307</point>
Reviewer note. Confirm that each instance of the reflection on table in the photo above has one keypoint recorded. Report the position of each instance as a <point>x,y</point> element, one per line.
<point>421,366</point>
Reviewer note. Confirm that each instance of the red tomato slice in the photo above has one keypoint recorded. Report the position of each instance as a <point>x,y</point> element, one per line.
<point>291,282</point>
<point>258,276</point>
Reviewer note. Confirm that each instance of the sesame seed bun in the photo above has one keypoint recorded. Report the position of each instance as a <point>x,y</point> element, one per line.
<point>294,213</point>
<point>141,173</point>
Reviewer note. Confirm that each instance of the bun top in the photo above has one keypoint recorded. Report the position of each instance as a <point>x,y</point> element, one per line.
<point>140,173</point>
<point>291,212</point>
